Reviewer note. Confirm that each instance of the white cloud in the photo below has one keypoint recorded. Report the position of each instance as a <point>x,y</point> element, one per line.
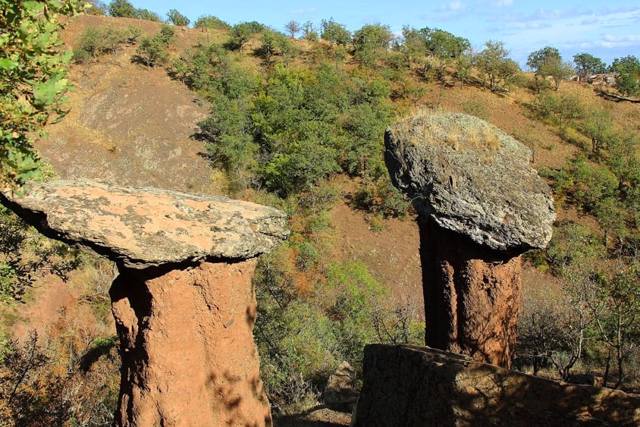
<point>503,3</point>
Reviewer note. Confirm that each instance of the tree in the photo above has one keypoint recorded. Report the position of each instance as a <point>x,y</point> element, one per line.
<point>147,15</point>
<point>335,33</point>
<point>443,44</point>
<point>598,127</point>
<point>273,44</point>
<point>122,9</point>
<point>242,32</point>
<point>495,64</point>
<point>33,79</point>
<point>177,18</point>
<point>587,64</point>
<point>211,23</point>
<point>309,31</point>
<point>628,74</point>
<point>369,41</point>
<point>293,28</point>
<point>414,44</point>
<point>547,62</point>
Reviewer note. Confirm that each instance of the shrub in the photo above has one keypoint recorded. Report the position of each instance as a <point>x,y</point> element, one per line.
<point>153,50</point>
<point>628,78</point>
<point>370,42</point>
<point>381,197</point>
<point>122,8</point>
<point>211,23</point>
<point>273,44</point>
<point>241,33</point>
<point>177,18</point>
<point>309,32</point>
<point>95,42</point>
<point>496,67</point>
<point>335,33</point>
<point>147,15</point>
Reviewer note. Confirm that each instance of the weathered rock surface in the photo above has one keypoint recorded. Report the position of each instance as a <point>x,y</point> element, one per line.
<point>471,178</point>
<point>188,356</point>
<point>341,393</point>
<point>184,304</point>
<point>149,227</point>
<point>419,387</point>
<point>472,296</point>
<point>480,205</point>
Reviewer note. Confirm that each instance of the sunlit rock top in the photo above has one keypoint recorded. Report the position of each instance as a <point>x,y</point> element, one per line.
<point>146,227</point>
<point>472,178</point>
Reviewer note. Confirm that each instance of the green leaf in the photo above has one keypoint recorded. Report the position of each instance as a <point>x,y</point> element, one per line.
<point>6,64</point>
<point>45,93</point>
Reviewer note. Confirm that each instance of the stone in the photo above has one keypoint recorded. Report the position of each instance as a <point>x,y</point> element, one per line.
<point>341,392</point>
<point>183,301</point>
<point>408,386</point>
<point>480,205</point>
<point>149,227</point>
<point>471,178</point>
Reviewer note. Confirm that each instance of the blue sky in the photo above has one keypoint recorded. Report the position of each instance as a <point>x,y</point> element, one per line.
<point>608,29</point>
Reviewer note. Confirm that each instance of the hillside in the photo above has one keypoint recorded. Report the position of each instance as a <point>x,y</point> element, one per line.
<point>135,125</point>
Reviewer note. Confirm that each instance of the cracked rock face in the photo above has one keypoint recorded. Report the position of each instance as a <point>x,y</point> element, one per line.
<point>471,178</point>
<point>146,227</point>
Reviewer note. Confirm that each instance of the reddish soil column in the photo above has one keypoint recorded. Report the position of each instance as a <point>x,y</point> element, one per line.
<point>472,295</point>
<point>188,355</point>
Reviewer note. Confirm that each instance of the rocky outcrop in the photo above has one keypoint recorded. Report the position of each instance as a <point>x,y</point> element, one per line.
<point>480,205</point>
<point>183,301</point>
<point>418,387</point>
<point>341,392</point>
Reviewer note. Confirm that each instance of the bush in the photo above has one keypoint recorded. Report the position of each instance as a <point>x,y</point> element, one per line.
<point>211,23</point>
<point>177,18</point>
<point>153,50</point>
<point>95,42</point>
<point>381,197</point>
<point>273,44</point>
<point>628,78</point>
<point>241,33</point>
<point>370,42</point>
<point>335,33</point>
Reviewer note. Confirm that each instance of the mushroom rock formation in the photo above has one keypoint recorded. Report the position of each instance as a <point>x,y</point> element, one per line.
<point>183,300</point>
<point>480,206</point>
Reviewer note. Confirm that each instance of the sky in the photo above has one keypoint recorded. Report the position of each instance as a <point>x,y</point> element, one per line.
<point>608,29</point>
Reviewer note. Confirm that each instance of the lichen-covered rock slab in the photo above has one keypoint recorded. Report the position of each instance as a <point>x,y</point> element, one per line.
<point>145,227</point>
<point>471,178</point>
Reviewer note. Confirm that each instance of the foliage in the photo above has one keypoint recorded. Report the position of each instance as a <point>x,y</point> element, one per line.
<point>33,79</point>
<point>370,41</point>
<point>273,44</point>
<point>547,62</point>
<point>381,197</point>
<point>309,32</point>
<point>628,74</point>
<point>561,110</point>
<point>335,33</point>
<point>493,62</point>
<point>177,18</point>
<point>587,64</point>
<point>443,44</point>
<point>211,23</point>
<point>96,41</point>
<point>242,32</point>
<point>153,50</point>
<point>124,9</point>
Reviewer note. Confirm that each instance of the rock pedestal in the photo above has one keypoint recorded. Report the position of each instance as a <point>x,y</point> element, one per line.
<point>473,296</point>
<point>183,301</point>
<point>480,205</point>
<point>188,356</point>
